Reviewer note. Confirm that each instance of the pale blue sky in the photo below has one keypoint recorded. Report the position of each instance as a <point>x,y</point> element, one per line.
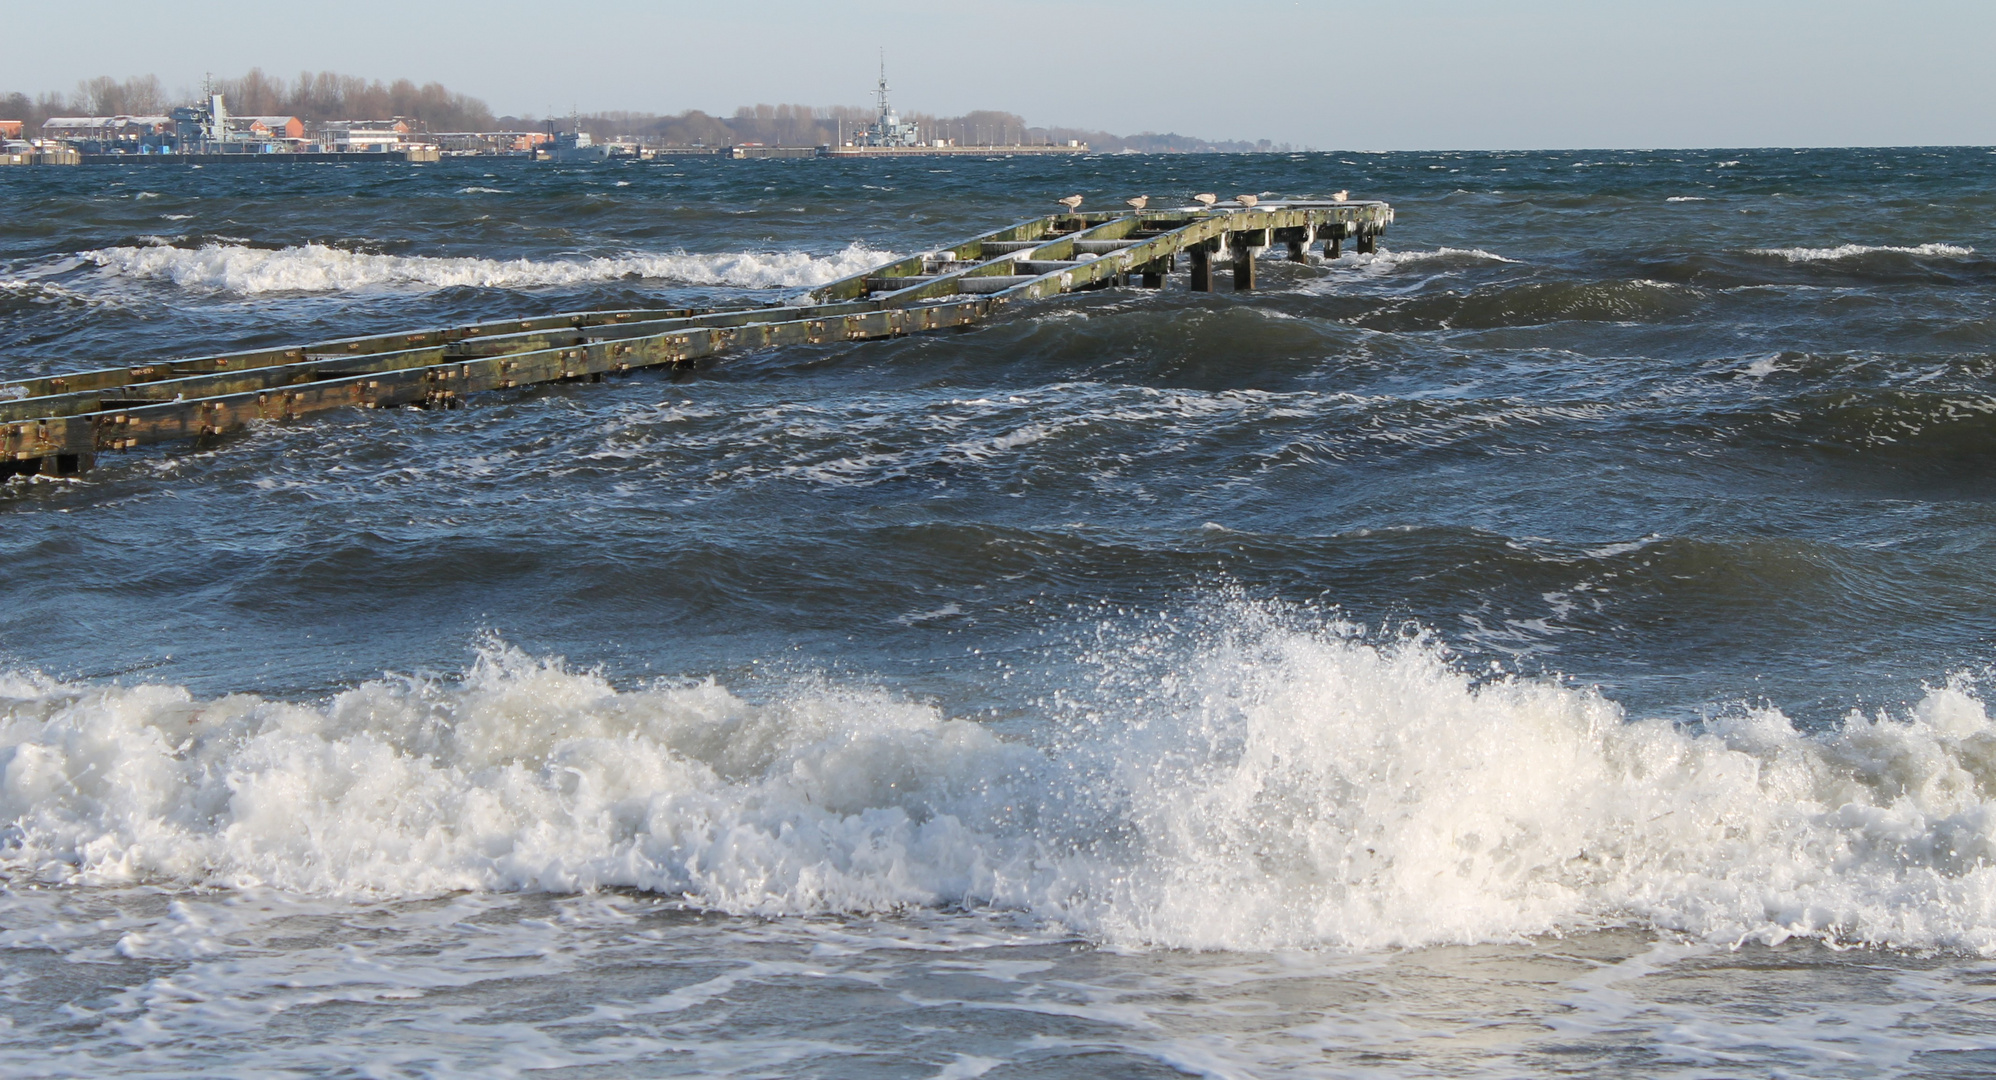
<point>1327,73</point>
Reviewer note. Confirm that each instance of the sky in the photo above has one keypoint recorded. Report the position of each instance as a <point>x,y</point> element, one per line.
<point>1328,74</point>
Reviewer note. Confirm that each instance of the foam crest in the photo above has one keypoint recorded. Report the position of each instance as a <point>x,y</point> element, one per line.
<point>1362,796</point>
<point>317,268</point>
<point>522,775</point>
<point>1848,251</point>
<point>1389,260</point>
<point>1246,782</point>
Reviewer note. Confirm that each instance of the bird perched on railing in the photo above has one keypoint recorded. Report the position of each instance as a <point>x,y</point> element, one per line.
<point>1072,202</point>
<point>1340,196</point>
<point>1139,202</point>
<point>1206,200</point>
<point>1247,200</point>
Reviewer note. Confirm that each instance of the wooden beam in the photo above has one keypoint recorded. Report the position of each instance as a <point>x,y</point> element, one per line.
<point>61,423</point>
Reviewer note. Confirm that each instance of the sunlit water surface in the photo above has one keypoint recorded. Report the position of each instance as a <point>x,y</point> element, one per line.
<point>1552,645</point>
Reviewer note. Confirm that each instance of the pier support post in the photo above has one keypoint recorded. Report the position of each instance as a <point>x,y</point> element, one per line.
<point>52,465</point>
<point>1202,269</point>
<point>1243,267</point>
<point>1297,238</point>
<point>1368,243</point>
<point>1153,274</point>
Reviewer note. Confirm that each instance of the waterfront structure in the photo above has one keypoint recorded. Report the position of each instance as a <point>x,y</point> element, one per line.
<point>113,134</point>
<point>489,143</point>
<point>284,128</point>
<point>890,136</point>
<point>38,152</point>
<point>209,132</point>
<point>60,423</point>
<point>364,136</point>
<point>744,151</point>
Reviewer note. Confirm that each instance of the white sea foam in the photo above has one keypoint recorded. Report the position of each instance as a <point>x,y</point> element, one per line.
<point>1276,785</point>
<point>1388,260</point>
<point>1845,251</point>
<point>39,291</point>
<point>317,268</point>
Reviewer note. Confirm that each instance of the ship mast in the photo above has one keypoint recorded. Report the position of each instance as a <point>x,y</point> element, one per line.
<point>882,92</point>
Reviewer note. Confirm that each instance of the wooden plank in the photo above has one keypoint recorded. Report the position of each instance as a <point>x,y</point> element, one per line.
<point>61,422</point>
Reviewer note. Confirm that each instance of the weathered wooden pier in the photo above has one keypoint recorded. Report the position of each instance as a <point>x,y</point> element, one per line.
<point>60,424</point>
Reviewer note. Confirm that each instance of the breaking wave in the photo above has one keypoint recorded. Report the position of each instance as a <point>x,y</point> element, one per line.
<point>1847,251</point>
<point>1261,782</point>
<point>1388,260</point>
<point>24,291</point>
<point>317,268</point>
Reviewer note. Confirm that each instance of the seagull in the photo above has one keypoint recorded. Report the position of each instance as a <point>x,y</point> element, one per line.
<point>1246,200</point>
<point>1139,202</point>
<point>1340,196</point>
<point>1207,200</point>
<point>1072,202</point>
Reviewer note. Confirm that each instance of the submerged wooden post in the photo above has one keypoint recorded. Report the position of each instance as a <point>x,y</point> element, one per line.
<point>1334,248</point>
<point>1243,265</point>
<point>1297,252</point>
<point>59,424</point>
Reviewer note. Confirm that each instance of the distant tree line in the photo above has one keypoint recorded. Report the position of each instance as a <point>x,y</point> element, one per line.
<point>325,95</point>
<point>804,125</point>
<point>312,97</point>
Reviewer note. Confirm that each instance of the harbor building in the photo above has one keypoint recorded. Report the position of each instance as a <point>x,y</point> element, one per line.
<point>112,134</point>
<point>364,136</point>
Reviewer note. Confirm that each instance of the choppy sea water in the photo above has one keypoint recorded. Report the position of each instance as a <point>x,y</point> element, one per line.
<point>1556,644</point>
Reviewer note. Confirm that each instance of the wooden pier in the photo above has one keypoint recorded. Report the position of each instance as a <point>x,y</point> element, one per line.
<point>60,424</point>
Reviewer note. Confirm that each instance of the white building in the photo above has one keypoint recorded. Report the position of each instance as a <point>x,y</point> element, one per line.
<point>365,136</point>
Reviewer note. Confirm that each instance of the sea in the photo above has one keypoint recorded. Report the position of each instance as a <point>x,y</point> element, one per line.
<point>1556,644</point>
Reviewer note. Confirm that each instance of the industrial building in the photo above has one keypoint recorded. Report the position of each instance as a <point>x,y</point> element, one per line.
<point>364,136</point>
<point>113,134</point>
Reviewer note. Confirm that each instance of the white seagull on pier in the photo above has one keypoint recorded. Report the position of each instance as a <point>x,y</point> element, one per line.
<point>1207,200</point>
<point>1247,200</point>
<point>1139,202</point>
<point>1072,202</point>
<point>1340,196</point>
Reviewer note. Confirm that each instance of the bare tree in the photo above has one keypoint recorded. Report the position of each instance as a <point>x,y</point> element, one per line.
<point>139,95</point>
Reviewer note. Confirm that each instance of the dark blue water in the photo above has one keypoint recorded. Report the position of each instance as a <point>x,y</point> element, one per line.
<point>1608,556</point>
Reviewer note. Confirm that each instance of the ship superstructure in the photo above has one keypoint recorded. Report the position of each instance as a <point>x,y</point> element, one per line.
<point>887,129</point>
